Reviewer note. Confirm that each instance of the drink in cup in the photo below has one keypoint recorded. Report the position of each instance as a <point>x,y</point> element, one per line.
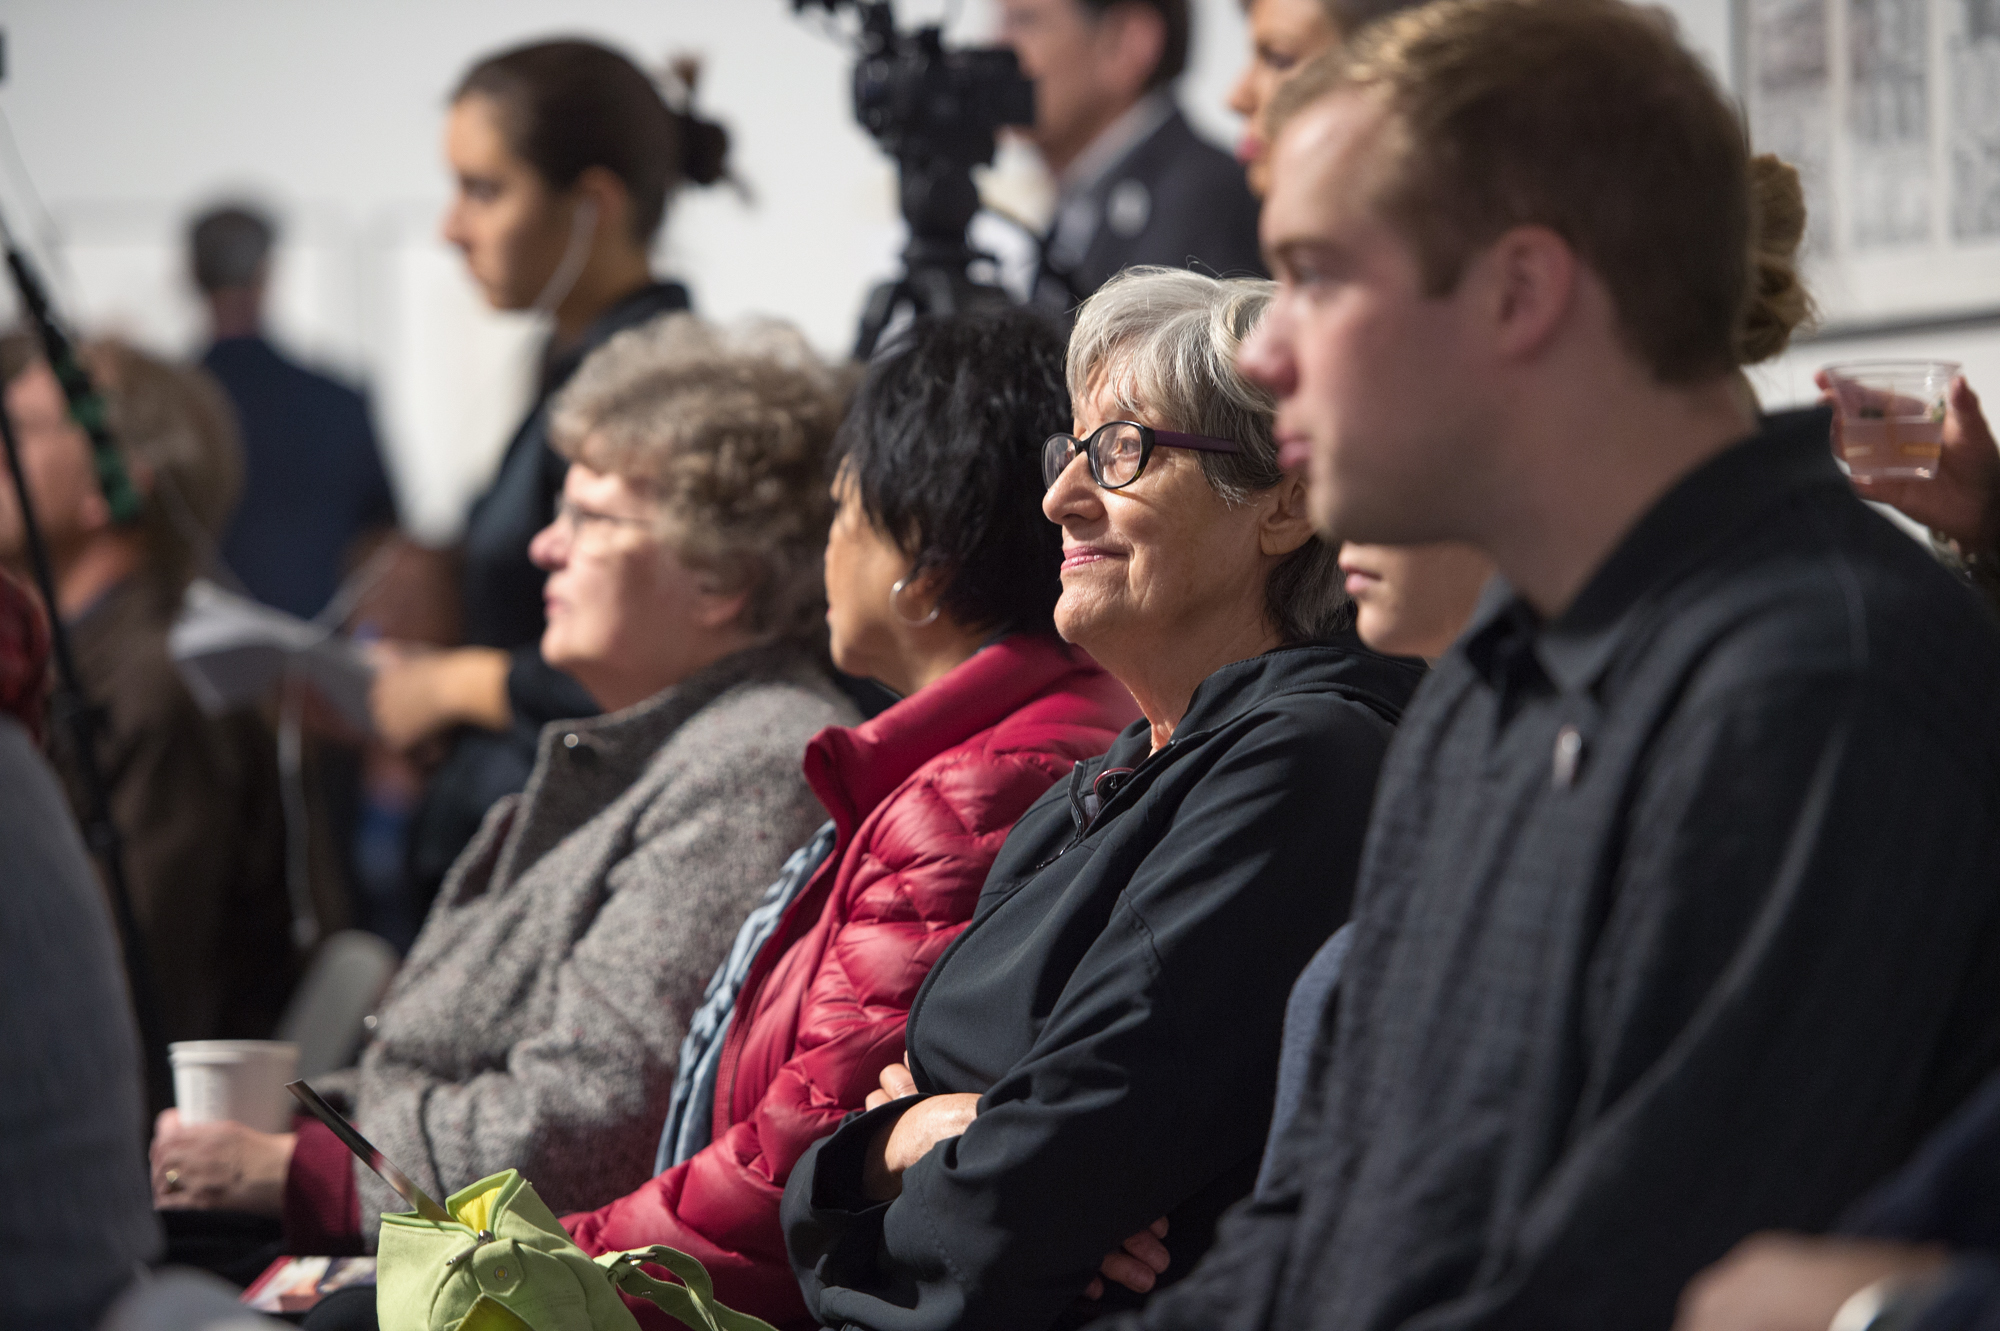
<point>1891,416</point>
<point>243,1080</point>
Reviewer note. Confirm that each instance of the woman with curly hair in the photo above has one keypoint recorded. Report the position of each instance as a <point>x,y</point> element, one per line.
<point>538,1019</point>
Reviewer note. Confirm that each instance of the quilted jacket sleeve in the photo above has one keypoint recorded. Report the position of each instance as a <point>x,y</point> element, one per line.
<point>907,885</point>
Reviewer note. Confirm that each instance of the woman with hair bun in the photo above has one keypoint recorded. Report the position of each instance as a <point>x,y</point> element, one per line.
<point>564,157</point>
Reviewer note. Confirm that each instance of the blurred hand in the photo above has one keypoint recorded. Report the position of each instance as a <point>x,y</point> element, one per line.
<point>1963,500</point>
<point>419,692</point>
<point>896,1083</point>
<point>1783,1282</point>
<point>909,1138</point>
<point>1137,1263</point>
<point>219,1166</point>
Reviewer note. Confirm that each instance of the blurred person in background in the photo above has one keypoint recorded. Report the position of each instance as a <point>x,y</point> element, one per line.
<point>1284,36</point>
<point>1135,184</point>
<point>313,481</point>
<point>1919,1253</point>
<point>538,1019</point>
<point>1412,600</point>
<point>314,490</point>
<point>195,798</point>
<point>565,157</point>
<point>1961,504</point>
<point>75,1221</point>
<point>1408,600</point>
<point>1922,1252</point>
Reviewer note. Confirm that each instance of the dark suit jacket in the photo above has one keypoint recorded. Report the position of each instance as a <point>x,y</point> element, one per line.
<point>1175,199</point>
<point>195,799</point>
<point>313,481</point>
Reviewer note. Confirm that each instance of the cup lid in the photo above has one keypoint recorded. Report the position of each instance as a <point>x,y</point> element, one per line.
<point>233,1048</point>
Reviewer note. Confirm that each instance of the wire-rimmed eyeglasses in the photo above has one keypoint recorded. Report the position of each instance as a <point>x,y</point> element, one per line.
<point>1119,450</point>
<point>579,519</point>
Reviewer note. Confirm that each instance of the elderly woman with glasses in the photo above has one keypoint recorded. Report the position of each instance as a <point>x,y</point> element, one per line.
<point>537,1021</point>
<point>1090,1065</point>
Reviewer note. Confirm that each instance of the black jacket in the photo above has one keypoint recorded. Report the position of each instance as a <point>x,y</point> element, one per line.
<point>1175,199</point>
<point>502,591</point>
<point>1949,1193</point>
<point>1116,1000</point>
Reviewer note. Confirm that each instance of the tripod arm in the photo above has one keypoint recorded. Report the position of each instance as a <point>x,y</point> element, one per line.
<point>86,404</point>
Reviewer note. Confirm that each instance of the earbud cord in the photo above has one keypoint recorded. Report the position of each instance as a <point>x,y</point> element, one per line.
<point>582,231</point>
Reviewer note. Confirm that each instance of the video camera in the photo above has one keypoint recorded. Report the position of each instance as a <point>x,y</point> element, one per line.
<point>936,112</point>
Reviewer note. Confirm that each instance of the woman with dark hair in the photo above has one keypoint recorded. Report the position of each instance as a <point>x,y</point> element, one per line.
<point>941,582</point>
<point>564,156</point>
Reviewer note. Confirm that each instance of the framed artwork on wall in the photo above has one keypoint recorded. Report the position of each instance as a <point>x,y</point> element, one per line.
<point>1890,109</point>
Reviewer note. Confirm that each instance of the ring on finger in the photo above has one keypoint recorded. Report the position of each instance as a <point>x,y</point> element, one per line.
<point>172,1178</point>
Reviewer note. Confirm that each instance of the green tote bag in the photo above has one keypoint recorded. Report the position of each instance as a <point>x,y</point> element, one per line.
<point>504,1263</point>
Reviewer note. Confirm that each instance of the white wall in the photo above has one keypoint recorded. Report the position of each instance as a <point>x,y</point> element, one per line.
<point>1707,27</point>
<point>128,114</point>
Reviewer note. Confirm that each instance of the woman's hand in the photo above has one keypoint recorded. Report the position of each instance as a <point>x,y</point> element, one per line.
<point>419,692</point>
<point>1781,1282</point>
<point>896,1083</point>
<point>908,1138</point>
<point>219,1166</point>
<point>1963,500</point>
<point>1137,1263</point>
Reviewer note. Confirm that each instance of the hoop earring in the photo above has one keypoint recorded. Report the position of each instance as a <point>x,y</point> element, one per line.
<point>896,606</point>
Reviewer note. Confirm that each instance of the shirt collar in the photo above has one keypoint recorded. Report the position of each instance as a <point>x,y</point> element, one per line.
<point>649,301</point>
<point>1789,452</point>
<point>1114,143</point>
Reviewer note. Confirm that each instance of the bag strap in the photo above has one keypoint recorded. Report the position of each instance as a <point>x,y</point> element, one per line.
<point>691,1303</point>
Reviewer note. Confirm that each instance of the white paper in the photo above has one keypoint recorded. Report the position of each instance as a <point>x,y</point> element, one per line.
<point>231,652</point>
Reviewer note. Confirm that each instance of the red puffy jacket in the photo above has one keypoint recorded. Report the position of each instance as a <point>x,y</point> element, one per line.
<point>921,798</point>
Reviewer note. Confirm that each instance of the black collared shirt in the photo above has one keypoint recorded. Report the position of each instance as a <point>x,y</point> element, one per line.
<point>1679,919</point>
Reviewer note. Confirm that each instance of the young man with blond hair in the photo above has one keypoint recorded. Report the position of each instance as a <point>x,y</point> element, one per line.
<point>1677,919</point>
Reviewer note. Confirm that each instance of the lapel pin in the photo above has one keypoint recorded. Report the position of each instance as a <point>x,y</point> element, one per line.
<point>1569,754</point>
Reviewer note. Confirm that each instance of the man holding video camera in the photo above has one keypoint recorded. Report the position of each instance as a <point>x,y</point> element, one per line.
<point>1135,183</point>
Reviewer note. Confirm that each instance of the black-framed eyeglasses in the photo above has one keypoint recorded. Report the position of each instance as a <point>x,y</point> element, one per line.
<point>1119,450</point>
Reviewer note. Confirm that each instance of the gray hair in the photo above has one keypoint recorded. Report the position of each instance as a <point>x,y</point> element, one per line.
<point>1165,342</point>
<point>727,430</point>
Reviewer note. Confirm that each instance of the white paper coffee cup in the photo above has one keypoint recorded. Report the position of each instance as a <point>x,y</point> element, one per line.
<point>243,1080</point>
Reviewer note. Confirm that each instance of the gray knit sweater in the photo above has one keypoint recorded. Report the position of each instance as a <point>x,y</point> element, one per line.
<point>536,1022</point>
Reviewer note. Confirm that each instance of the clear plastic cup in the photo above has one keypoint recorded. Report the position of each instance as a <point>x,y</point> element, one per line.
<point>243,1080</point>
<point>1891,416</point>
